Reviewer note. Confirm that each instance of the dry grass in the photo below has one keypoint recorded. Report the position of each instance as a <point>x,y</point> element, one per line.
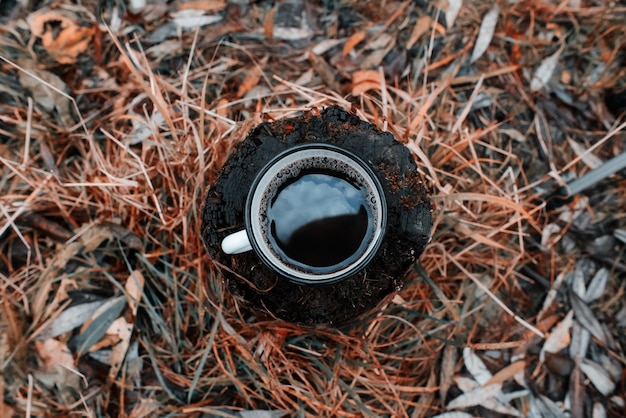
<point>104,168</point>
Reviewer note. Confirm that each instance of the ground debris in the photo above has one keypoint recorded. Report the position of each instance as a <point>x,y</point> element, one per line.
<point>116,116</point>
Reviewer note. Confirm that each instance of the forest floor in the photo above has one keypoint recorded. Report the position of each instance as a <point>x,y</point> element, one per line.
<point>115,118</point>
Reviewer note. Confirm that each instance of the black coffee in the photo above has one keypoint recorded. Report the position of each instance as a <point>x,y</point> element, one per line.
<point>319,221</point>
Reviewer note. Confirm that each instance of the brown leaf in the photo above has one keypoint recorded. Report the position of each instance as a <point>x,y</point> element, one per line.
<point>205,5</point>
<point>559,364</point>
<point>353,41</point>
<point>507,373</point>
<point>58,364</point>
<point>122,331</point>
<point>365,80</point>
<point>54,353</point>
<point>61,36</point>
<point>559,337</point>
<point>421,27</point>
<point>134,289</point>
<point>268,23</point>
<point>252,78</point>
<point>47,226</point>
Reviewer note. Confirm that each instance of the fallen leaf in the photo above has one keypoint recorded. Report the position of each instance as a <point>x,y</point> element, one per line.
<point>353,41</point>
<point>543,74</point>
<point>422,25</point>
<point>375,58</point>
<point>466,384</point>
<point>192,18</point>
<point>598,411</point>
<point>425,400</point>
<point>485,34</point>
<point>268,23</point>
<point>507,373</point>
<point>542,406</point>
<point>96,327</point>
<point>258,413</point>
<point>324,70</point>
<point>365,80</point>
<point>580,341</point>
<point>491,396</point>
<point>560,364</point>
<point>576,280</point>
<point>291,34</point>
<point>620,234</point>
<point>502,408</point>
<point>204,5</point>
<point>381,41</point>
<point>251,79</point>
<point>559,337</point>
<point>325,46</point>
<point>598,376</point>
<point>597,285</point>
<point>576,392</point>
<point>590,159</point>
<point>134,289</point>
<point>91,236</point>
<point>448,363</point>
<point>47,90</point>
<point>466,232</point>
<point>454,6</point>
<point>5,346</point>
<point>123,331</point>
<point>58,364</point>
<point>136,6</point>
<point>54,353</point>
<point>548,232</point>
<point>478,396</point>
<point>69,319</point>
<point>61,36</point>
<point>305,79</point>
<point>475,366</point>
<point>454,414</point>
<point>586,317</point>
<point>514,134</point>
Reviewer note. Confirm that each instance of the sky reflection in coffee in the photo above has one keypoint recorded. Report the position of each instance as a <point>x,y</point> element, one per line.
<point>320,221</point>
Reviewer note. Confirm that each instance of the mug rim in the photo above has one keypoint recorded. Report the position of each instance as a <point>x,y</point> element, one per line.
<point>282,267</point>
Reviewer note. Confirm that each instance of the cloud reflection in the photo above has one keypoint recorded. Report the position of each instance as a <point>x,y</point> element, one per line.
<point>311,198</point>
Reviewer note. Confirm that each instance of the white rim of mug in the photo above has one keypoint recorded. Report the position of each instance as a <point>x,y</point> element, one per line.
<point>260,185</point>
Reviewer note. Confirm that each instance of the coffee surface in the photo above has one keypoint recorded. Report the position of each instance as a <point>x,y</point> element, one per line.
<point>320,221</point>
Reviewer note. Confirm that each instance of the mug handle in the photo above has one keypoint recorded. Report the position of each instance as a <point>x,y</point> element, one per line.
<point>236,243</point>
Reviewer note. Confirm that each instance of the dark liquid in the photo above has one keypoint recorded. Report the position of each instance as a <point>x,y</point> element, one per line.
<point>319,221</point>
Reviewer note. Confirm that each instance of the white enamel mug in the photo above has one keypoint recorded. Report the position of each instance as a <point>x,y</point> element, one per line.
<point>316,213</point>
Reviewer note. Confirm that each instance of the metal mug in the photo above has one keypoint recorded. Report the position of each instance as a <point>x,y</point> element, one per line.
<point>315,214</point>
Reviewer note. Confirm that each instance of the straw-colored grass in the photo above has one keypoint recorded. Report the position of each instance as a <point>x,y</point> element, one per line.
<point>101,194</point>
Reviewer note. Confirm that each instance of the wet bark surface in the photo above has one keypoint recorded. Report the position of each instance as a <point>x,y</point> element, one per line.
<point>409,218</point>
